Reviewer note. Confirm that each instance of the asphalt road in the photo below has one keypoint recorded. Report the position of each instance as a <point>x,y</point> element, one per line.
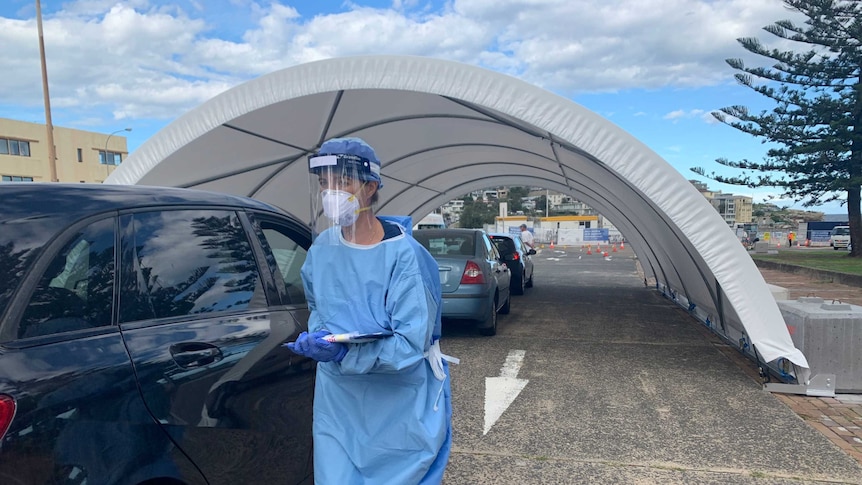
<point>617,385</point>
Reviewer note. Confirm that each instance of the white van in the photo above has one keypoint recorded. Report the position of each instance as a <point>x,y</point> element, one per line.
<point>431,221</point>
<point>840,237</point>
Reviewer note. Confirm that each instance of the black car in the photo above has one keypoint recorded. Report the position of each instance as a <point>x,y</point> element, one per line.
<point>518,257</point>
<point>141,333</point>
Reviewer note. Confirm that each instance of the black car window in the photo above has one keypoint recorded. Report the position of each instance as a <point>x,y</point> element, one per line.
<point>288,254</point>
<point>505,245</point>
<point>186,262</point>
<point>18,250</point>
<point>76,290</point>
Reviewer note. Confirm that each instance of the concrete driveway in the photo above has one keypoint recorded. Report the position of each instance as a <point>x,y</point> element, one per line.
<point>621,387</point>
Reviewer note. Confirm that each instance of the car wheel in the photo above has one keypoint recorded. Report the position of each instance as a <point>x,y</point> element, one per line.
<point>489,326</point>
<point>518,286</point>
<point>506,306</point>
<point>529,283</point>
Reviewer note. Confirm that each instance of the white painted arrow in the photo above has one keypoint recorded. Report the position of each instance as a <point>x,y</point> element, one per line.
<point>501,391</point>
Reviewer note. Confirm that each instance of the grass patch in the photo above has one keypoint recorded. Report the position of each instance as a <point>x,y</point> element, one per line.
<point>825,259</point>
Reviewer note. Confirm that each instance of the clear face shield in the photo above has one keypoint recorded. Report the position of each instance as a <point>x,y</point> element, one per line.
<point>340,196</point>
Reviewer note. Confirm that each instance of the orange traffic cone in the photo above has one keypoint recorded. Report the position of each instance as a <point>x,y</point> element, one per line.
<point>605,254</point>
<point>622,245</point>
<point>615,249</point>
<point>552,245</point>
<point>589,251</point>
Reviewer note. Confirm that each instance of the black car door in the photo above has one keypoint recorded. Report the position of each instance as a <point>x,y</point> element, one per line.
<point>204,325</point>
<point>80,418</point>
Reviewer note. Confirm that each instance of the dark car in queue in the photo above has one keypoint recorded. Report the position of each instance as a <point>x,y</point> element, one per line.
<point>519,259</point>
<point>141,333</point>
<point>474,277</point>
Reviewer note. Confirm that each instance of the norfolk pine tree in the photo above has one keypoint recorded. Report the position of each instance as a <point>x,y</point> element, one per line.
<point>816,127</point>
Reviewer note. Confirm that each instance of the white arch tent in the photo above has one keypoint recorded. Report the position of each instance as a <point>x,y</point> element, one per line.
<point>443,129</point>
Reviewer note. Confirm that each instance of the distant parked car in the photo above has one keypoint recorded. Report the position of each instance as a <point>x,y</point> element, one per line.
<point>473,274</point>
<point>518,257</point>
<point>431,221</point>
<point>141,333</point>
<point>839,238</point>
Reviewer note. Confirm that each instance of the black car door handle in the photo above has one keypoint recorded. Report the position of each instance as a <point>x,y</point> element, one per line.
<point>195,354</point>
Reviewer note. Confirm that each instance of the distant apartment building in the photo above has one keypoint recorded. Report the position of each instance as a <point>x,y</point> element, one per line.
<point>453,206</point>
<point>452,210</point>
<point>560,203</point>
<point>734,209</point>
<point>81,156</point>
<point>744,209</point>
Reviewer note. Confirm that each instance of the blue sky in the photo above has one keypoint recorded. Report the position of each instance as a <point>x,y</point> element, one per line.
<point>656,68</point>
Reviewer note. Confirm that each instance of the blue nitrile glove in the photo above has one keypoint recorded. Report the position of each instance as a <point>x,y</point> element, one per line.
<point>315,347</point>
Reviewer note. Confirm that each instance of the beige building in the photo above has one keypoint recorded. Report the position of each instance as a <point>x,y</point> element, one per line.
<point>82,156</point>
<point>744,208</point>
<point>735,209</point>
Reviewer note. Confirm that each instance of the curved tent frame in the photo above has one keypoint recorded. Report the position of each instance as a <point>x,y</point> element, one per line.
<point>443,129</point>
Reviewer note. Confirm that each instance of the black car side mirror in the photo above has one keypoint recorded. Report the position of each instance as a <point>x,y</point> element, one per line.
<point>531,251</point>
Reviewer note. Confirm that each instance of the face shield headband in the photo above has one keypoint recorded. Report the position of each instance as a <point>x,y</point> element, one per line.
<point>367,171</point>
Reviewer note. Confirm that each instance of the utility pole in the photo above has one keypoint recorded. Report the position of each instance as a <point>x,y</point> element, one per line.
<point>52,150</point>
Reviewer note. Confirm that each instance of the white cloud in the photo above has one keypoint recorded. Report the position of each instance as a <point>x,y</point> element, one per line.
<point>675,115</point>
<point>680,114</point>
<point>140,58</point>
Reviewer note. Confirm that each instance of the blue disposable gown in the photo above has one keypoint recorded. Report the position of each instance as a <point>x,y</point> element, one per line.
<point>380,415</point>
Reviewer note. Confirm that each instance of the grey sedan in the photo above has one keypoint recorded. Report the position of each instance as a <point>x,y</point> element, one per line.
<point>474,277</point>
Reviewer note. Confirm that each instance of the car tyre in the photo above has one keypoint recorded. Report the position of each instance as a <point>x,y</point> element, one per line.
<point>506,306</point>
<point>518,289</point>
<point>529,283</point>
<point>489,327</point>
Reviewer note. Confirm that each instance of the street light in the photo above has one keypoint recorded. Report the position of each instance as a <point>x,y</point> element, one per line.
<point>109,139</point>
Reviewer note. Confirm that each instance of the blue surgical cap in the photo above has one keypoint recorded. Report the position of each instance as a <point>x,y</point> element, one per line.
<point>357,147</point>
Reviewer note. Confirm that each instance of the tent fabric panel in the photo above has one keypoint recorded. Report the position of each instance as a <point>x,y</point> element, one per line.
<point>361,107</point>
<point>275,122</point>
<point>246,182</point>
<point>220,151</point>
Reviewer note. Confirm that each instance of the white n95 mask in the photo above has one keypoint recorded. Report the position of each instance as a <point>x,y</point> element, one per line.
<point>340,207</point>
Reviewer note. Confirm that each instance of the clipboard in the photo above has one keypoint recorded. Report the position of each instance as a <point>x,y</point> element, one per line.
<point>356,337</point>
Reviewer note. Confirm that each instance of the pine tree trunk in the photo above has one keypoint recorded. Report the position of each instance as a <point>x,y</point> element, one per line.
<point>853,201</point>
<point>855,217</point>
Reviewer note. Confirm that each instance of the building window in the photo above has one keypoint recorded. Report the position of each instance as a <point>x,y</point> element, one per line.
<point>19,148</point>
<point>110,158</point>
<point>80,155</point>
<point>16,178</point>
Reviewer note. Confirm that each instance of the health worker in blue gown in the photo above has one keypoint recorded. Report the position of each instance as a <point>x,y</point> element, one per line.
<point>382,405</point>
